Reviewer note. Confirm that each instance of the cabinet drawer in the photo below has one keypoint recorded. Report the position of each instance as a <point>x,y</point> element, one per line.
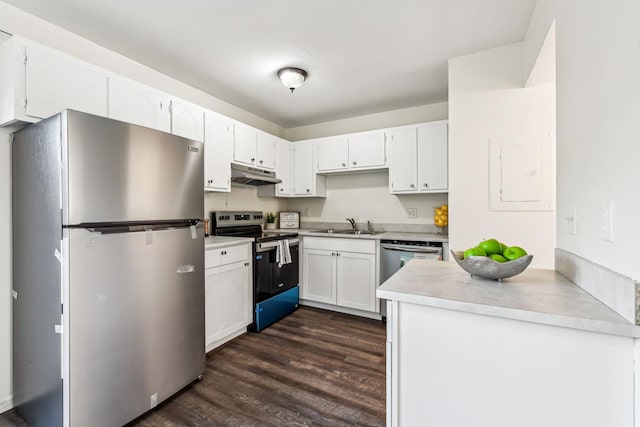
<point>225,255</point>
<point>365,246</point>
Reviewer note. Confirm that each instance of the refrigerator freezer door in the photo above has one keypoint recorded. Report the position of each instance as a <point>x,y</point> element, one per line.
<point>119,172</point>
<point>136,321</point>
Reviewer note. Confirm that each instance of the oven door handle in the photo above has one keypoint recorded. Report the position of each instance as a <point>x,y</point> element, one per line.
<point>415,249</point>
<point>267,246</point>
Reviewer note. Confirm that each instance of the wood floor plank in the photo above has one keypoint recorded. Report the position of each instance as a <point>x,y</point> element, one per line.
<point>312,368</point>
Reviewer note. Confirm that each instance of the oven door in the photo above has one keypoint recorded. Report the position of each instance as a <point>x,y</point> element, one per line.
<point>268,278</point>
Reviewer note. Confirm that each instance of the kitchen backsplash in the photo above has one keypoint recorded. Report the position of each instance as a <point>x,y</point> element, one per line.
<point>618,292</point>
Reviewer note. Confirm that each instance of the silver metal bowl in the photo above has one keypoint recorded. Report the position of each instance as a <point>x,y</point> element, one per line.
<point>482,266</point>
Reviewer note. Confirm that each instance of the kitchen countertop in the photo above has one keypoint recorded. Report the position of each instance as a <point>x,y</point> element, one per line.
<point>213,242</point>
<point>387,235</point>
<point>536,295</point>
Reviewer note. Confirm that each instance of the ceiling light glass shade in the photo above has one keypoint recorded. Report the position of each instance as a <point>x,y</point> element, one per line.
<point>292,78</point>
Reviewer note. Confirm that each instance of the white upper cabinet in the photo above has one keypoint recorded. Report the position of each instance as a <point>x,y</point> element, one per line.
<point>38,82</point>
<point>403,167</point>
<point>135,103</point>
<point>284,168</point>
<point>367,150</point>
<point>253,147</point>
<point>419,160</point>
<point>333,153</point>
<point>187,120</point>
<point>306,182</point>
<point>244,144</point>
<point>361,151</point>
<point>266,150</point>
<point>433,157</point>
<point>218,151</point>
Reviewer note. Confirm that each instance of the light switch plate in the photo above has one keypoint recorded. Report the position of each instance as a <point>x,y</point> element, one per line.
<point>570,220</point>
<point>606,221</point>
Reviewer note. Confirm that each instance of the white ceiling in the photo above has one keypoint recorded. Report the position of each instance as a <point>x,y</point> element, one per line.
<point>362,56</point>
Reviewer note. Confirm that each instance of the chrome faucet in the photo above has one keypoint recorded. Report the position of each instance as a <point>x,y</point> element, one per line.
<point>369,227</point>
<point>353,223</point>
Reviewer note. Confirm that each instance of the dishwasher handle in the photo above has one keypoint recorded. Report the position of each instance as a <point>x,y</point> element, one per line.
<point>413,249</point>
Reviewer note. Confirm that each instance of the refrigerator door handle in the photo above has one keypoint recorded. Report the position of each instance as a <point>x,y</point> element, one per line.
<point>186,269</point>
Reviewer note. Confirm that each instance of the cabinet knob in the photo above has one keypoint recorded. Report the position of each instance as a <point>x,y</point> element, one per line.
<point>425,185</point>
<point>282,189</point>
<point>333,254</point>
<point>344,165</point>
<point>260,161</point>
<point>308,191</point>
<point>253,159</point>
<point>223,252</point>
<point>246,264</point>
<point>412,186</point>
<point>354,163</point>
<point>337,253</point>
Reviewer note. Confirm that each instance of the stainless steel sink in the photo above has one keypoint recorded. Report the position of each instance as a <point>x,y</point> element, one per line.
<point>349,232</point>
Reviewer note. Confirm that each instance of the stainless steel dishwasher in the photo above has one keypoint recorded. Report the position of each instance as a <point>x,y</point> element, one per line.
<point>394,254</point>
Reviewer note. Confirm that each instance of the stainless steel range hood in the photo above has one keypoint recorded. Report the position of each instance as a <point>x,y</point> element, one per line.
<point>250,175</point>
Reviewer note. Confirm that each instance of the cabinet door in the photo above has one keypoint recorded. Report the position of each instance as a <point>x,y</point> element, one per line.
<point>333,153</point>
<point>218,152</point>
<point>266,150</point>
<point>367,150</point>
<point>403,174</point>
<point>227,301</point>
<point>432,157</point>
<point>303,181</point>
<point>319,278</point>
<point>244,144</point>
<point>138,104</point>
<point>55,82</point>
<point>356,280</point>
<point>187,120</point>
<point>283,168</point>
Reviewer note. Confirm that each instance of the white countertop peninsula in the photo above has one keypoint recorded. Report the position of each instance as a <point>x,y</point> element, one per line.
<point>536,295</point>
<point>214,242</point>
<point>532,350</point>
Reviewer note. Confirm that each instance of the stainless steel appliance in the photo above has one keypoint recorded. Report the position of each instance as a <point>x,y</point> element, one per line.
<point>251,175</point>
<point>108,269</point>
<point>276,290</point>
<point>394,254</point>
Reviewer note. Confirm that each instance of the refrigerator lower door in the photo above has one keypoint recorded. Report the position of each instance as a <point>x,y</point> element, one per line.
<point>136,321</point>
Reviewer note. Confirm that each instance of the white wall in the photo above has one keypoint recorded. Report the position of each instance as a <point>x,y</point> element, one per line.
<point>241,198</point>
<point>404,116</point>
<point>366,197</point>
<point>598,112</point>
<point>487,100</point>
<point>5,271</point>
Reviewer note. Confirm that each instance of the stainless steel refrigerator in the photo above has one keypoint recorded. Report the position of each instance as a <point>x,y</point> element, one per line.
<point>108,269</point>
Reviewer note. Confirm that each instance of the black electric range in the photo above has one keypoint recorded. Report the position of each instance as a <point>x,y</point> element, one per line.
<point>276,290</point>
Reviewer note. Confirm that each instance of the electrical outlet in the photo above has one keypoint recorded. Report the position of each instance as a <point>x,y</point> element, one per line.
<point>606,221</point>
<point>412,213</point>
<point>570,220</point>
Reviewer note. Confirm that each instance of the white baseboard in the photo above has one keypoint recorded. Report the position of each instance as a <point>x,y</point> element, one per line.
<point>6,403</point>
<point>339,309</point>
<point>217,343</point>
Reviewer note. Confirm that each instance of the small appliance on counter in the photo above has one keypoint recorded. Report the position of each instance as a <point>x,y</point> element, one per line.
<point>276,289</point>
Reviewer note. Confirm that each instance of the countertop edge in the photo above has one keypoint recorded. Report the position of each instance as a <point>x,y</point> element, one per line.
<point>213,242</point>
<point>551,319</point>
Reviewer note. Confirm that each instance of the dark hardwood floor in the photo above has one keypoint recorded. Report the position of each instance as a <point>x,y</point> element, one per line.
<point>312,368</point>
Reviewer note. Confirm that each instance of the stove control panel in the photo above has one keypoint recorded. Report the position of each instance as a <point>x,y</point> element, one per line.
<point>234,219</point>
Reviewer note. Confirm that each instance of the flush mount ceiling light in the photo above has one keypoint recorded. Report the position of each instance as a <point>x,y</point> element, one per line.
<point>292,77</point>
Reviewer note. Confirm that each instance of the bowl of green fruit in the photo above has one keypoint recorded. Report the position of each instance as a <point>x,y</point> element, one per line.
<point>493,260</point>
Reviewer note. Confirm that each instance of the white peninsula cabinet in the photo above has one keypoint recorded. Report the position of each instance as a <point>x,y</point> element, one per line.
<point>218,151</point>
<point>419,159</point>
<point>339,273</point>
<point>228,297</point>
<point>132,102</point>
<point>38,82</point>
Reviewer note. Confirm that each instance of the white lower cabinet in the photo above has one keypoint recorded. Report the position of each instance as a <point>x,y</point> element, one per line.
<point>228,298</point>
<point>340,272</point>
